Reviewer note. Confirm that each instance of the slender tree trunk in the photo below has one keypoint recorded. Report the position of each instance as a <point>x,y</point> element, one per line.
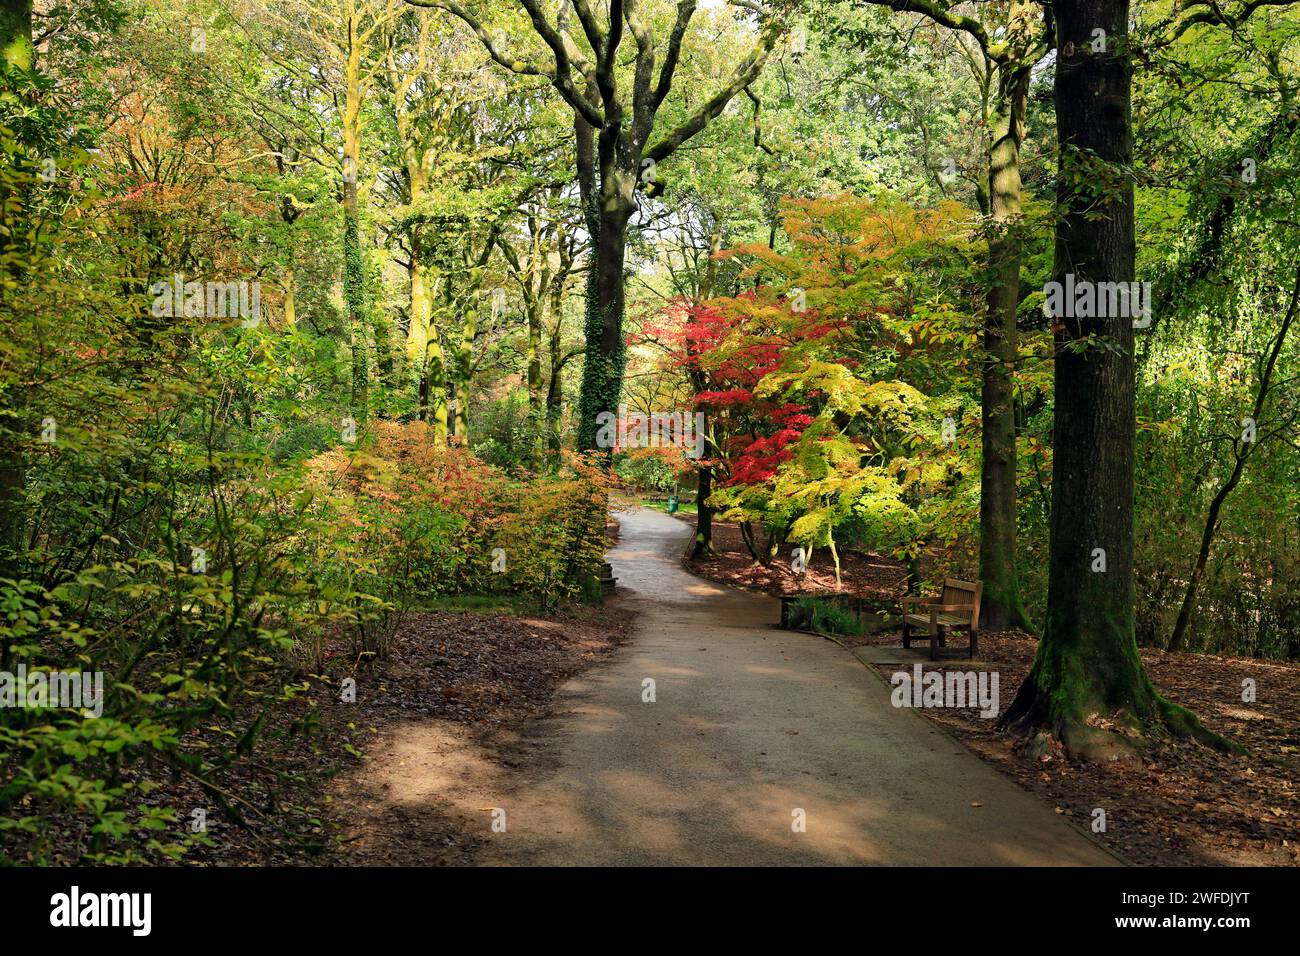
<point>702,543</point>
<point>554,412</point>
<point>536,400</point>
<point>1087,661</point>
<point>1243,452</point>
<point>353,266</point>
<point>1002,607</point>
<point>385,360</point>
<point>288,281</point>
<point>463,365</point>
<point>18,54</point>
<point>424,347</point>
<point>555,384</point>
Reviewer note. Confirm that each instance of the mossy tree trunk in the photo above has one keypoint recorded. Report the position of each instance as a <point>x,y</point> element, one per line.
<point>1087,662</point>
<point>1002,606</point>
<point>602,372</point>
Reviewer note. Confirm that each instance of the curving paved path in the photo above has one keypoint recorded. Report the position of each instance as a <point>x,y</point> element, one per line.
<point>749,724</point>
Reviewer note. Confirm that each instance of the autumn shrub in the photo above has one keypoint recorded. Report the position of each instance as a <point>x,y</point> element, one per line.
<point>553,540</point>
<point>437,520</point>
<point>157,536</point>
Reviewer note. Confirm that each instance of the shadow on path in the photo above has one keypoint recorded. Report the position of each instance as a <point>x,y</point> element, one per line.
<point>752,728</point>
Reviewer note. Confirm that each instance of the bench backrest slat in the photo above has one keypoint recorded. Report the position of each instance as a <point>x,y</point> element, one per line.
<point>963,592</point>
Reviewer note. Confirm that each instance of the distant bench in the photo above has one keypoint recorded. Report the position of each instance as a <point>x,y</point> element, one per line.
<point>957,609</point>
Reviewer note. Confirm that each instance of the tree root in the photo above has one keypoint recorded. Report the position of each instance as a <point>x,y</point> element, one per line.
<point>1181,722</point>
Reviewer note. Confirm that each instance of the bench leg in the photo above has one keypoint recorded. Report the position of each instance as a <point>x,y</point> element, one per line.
<point>974,643</point>
<point>907,635</point>
<point>936,642</point>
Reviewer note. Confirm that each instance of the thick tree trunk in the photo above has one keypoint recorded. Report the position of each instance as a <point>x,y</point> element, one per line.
<point>1087,661</point>
<point>1002,607</point>
<point>602,372</point>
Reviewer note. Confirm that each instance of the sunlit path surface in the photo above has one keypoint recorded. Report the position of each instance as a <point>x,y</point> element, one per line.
<point>751,726</point>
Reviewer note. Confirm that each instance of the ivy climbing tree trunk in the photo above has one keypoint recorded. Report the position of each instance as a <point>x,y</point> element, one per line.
<point>1087,662</point>
<point>585,59</point>
<point>602,373</point>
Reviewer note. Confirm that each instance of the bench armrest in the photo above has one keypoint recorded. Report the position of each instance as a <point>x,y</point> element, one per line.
<point>914,599</point>
<point>944,608</point>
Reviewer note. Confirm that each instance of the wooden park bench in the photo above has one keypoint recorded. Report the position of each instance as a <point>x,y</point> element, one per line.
<point>957,609</point>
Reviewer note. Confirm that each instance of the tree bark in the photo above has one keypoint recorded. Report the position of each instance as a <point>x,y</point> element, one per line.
<point>290,298</point>
<point>602,372</point>
<point>463,368</point>
<point>536,414</point>
<point>424,346</point>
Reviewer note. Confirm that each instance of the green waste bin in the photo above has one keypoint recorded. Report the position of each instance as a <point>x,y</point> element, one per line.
<point>672,504</point>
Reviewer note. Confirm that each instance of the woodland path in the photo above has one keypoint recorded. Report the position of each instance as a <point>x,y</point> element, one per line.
<point>749,724</point>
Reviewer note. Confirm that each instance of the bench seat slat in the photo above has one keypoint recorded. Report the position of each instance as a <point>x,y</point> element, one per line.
<point>947,620</point>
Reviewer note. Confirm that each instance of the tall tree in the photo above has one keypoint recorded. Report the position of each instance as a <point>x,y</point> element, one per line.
<point>540,261</point>
<point>1087,661</point>
<point>430,114</point>
<point>338,49</point>
<point>1002,45</point>
<point>615,125</point>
